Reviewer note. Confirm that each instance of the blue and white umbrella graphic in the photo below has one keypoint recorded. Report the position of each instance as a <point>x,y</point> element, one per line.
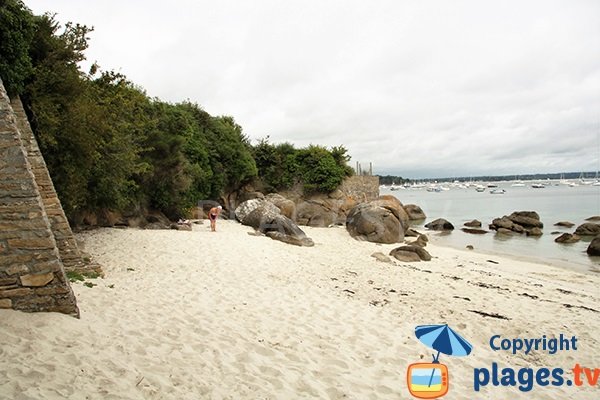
<point>443,339</point>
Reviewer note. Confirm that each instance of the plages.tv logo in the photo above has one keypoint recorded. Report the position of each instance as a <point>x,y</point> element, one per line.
<point>431,380</point>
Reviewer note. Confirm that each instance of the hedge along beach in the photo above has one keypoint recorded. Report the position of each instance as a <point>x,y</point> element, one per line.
<point>185,314</point>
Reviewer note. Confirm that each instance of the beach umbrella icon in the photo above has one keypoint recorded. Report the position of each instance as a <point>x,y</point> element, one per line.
<point>443,339</point>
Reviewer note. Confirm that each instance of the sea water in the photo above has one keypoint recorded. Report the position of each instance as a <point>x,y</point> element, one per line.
<point>553,203</point>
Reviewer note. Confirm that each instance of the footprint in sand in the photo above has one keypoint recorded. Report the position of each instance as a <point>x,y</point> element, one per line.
<point>337,363</point>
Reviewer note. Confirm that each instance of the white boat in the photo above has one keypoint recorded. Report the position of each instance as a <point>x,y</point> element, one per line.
<point>538,185</point>
<point>480,188</point>
<point>497,191</point>
<point>492,185</point>
<point>584,181</point>
<point>518,184</point>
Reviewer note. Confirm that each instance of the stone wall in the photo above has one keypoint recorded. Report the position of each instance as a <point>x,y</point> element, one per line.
<point>361,188</point>
<point>32,276</point>
<point>70,254</point>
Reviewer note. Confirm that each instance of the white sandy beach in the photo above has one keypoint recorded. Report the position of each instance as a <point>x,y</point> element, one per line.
<point>227,315</point>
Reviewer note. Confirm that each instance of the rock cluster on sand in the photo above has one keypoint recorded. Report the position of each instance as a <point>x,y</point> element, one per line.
<point>527,222</point>
<point>381,221</point>
<point>440,224</point>
<point>266,218</point>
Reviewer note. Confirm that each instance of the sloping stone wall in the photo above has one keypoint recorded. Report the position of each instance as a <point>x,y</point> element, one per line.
<point>361,187</point>
<point>32,276</point>
<point>70,254</point>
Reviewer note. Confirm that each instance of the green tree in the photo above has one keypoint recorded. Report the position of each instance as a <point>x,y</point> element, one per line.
<point>318,169</point>
<point>275,164</point>
<point>89,130</point>
<point>17,28</point>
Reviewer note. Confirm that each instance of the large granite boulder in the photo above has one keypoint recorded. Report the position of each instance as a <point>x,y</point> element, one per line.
<point>415,213</point>
<point>527,219</point>
<point>440,224</point>
<point>395,206</point>
<point>266,218</point>
<point>260,216</point>
<point>527,222</point>
<point>503,222</point>
<point>317,212</point>
<point>284,229</point>
<point>588,229</point>
<point>594,247</point>
<point>286,206</point>
<point>375,222</point>
<point>245,208</point>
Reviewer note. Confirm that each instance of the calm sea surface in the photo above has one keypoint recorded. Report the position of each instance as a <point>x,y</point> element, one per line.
<point>552,203</point>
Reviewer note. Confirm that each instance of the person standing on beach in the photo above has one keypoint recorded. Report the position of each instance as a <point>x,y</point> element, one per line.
<point>212,215</point>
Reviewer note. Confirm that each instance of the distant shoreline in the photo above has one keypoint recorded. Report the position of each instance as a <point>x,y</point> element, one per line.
<point>503,178</point>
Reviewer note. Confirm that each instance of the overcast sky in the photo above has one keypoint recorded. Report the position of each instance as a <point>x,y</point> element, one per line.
<point>420,88</point>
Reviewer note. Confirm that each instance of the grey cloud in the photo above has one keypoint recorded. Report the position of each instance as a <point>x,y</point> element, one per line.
<point>419,88</point>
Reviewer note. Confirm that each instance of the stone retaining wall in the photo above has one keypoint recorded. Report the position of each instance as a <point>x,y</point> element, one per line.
<point>70,254</point>
<point>361,188</point>
<point>32,276</point>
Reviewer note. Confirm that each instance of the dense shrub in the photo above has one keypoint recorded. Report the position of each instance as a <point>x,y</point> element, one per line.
<point>317,168</point>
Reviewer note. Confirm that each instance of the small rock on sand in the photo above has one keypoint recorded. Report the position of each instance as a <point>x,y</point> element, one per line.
<point>567,238</point>
<point>381,257</point>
